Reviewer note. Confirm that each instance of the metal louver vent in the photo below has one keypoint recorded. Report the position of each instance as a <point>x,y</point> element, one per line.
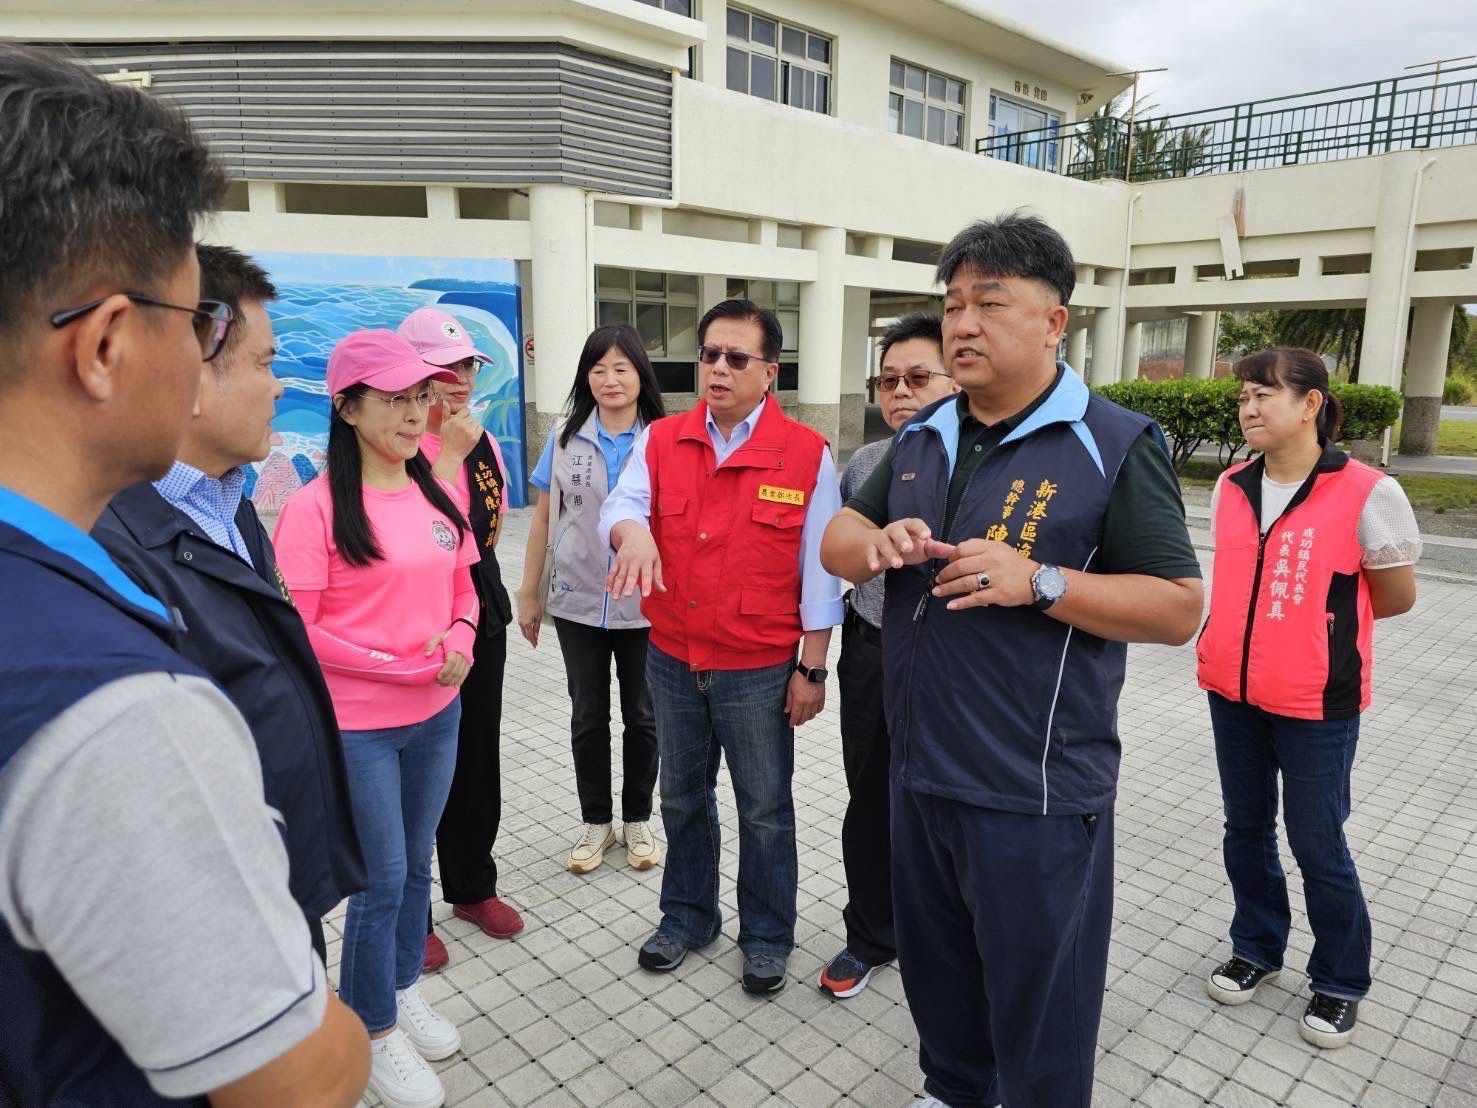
<point>454,113</point>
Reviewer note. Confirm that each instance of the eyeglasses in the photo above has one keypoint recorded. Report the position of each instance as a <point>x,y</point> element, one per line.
<point>425,398</point>
<point>212,319</point>
<point>916,378</point>
<point>736,359</point>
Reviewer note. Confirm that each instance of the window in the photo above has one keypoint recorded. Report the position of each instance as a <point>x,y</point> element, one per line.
<point>663,309</point>
<point>925,105</point>
<point>783,299</point>
<point>1023,134</point>
<point>676,7</point>
<point>778,62</point>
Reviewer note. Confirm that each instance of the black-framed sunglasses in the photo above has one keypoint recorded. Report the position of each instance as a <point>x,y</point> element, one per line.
<point>212,319</point>
<point>916,378</point>
<point>737,359</point>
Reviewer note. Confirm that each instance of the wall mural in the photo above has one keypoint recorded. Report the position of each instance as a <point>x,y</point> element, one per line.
<point>322,297</point>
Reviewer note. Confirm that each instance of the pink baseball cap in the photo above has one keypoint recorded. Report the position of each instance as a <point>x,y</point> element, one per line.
<point>438,336</point>
<point>381,360</point>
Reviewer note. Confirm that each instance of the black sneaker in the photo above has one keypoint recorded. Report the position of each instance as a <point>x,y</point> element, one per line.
<point>1235,982</point>
<point>763,973</point>
<point>1329,1022</point>
<point>661,953</point>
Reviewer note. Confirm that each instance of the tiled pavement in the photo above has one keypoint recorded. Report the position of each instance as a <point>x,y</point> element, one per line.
<point>561,1016</point>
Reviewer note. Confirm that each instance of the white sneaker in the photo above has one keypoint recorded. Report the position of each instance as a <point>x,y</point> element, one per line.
<point>400,1077</point>
<point>589,852</point>
<point>434,1037</point>
<point>642,849</point>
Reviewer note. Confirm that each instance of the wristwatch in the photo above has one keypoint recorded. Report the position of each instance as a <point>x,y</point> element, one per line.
<point>1048,585</point>
<point>816,675</point>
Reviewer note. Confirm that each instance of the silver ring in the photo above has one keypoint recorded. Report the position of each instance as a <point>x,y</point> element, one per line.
<point>982,581</point>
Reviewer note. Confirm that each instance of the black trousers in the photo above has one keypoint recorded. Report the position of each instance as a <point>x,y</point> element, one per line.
<point>469,822</point>
<point>1003,922</point>
<point>866,840</point>
<point>587,656</point>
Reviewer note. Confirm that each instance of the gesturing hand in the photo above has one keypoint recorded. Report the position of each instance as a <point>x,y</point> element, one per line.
<point>1008,573</point>
<point>902,542</point>
<point>637,565</point>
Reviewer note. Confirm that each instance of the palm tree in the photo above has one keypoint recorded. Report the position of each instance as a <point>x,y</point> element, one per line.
<point>1160,149</point>
<point>1337,332</point>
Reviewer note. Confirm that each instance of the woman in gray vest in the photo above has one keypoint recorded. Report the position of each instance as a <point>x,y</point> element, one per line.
<point>614,396</point>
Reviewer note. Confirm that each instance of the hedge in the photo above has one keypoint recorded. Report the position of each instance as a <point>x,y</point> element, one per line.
<point>1195,413</point>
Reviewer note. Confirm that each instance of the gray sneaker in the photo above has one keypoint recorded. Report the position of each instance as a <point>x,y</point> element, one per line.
<point>763,973</point>
<point>661,953</point>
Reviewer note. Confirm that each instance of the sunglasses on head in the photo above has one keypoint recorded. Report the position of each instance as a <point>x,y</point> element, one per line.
<point>736,359</point>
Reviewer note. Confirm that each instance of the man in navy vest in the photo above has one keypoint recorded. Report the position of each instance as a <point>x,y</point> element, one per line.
<point>192,540</point>
<point>1029,530</point>
<point>150,951</point>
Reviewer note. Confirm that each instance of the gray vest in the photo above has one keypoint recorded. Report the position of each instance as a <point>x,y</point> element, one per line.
<point>581,561</point>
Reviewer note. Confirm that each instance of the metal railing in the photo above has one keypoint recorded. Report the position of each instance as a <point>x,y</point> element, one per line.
<point>1400,113</point>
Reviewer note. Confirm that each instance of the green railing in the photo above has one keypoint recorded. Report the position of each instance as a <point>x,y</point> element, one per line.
<point>1400,113</point>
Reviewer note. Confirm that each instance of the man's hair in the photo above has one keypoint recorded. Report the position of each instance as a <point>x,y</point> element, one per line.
<point>98,182</point>
<point>1012,245</point>
<point>769,324</point>
<point>915,325</point>
<point>233,278</point>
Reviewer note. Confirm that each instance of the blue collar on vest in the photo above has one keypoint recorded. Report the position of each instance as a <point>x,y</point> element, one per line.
<point>64,541</point>
<point>1066,404</point>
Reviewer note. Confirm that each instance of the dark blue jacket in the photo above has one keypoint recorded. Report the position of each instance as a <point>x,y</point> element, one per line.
<point>243,630</point>
<point>74,623</point>
<point>1007,708</point>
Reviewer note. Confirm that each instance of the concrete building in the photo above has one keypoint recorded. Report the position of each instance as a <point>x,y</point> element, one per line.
<point>642,159</point>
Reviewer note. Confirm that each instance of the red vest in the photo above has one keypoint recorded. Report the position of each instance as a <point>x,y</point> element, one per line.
<point>729,539</point>
<point>1291,628</point>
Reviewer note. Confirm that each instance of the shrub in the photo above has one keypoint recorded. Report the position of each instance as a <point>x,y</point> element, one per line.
<point>1459,389</point>
<point>1193,413</point>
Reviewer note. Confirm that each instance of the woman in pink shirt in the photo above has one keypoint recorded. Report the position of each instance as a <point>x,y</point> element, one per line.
<point>378,559</point>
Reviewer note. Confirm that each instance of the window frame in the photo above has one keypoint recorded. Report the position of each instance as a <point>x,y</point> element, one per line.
<point>815,78</point>
<point>1055,122</point>
<point>926,102</point>
<point>634,298</point>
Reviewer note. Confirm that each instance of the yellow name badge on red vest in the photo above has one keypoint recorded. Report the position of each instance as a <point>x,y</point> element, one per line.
<point>781,496</point>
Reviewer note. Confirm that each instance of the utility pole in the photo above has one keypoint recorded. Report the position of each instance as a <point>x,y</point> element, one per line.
<point>1133,106</point>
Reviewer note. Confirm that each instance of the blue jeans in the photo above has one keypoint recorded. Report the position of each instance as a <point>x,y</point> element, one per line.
<point>398,781</point>
<point>1315,758</point>
<point>739,713</point>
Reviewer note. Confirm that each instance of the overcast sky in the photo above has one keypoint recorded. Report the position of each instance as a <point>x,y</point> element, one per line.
<point>1224,51</point>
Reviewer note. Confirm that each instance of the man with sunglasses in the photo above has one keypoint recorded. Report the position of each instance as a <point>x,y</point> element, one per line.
<point>912,377</point>
<point>150,950</point>
<point>717,522</point>
<point>193,541</point>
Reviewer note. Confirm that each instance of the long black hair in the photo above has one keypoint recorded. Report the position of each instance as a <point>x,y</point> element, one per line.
<point>352,532</point>
<point>1302,372</point>
<point>602,340</point>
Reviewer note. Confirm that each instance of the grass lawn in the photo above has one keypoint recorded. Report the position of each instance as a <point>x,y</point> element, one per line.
<point>1441,494</point>
<point>1454,436</point>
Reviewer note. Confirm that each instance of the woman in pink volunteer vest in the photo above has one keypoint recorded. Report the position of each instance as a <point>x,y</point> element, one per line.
<point>1311,547</point>
<point>378,559</point>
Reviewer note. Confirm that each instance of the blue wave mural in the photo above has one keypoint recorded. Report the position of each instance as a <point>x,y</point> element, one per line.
<point>322,297</point>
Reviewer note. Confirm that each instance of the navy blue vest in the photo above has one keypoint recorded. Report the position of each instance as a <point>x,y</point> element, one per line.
<point>72,628</point>
<point>1007,708</point>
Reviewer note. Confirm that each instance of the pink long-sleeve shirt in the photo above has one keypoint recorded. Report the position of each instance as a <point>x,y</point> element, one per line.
<point>369,625</point>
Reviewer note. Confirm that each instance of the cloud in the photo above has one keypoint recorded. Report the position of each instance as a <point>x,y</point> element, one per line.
<point>1230,51</point>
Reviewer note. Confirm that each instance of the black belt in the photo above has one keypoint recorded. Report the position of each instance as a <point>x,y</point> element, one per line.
<point>859,626</point>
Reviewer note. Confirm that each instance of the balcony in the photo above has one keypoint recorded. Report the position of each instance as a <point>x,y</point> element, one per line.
<point>1420,111</point>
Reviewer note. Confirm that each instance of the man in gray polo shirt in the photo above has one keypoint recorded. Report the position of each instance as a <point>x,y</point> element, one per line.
<point>911,378</point>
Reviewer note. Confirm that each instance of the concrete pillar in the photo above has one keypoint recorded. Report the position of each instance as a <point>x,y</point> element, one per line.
<point>822,331</point>
<point>855,368</point>
<point>1200,345</point>
<point>1388,304</point>
<point>441,202</point>
<point>1107,342</point>
<point>1133,335</point>
<point>1430,338</point>
<point>563,297</point>
<point>1077,349</point>
<point>264,197</point>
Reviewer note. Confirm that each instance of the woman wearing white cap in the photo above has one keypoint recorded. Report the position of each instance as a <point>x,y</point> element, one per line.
<point>468,457</point>
<point>378,559</point>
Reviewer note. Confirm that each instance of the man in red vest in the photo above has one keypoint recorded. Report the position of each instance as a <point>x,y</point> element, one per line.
<point>717,520</point>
